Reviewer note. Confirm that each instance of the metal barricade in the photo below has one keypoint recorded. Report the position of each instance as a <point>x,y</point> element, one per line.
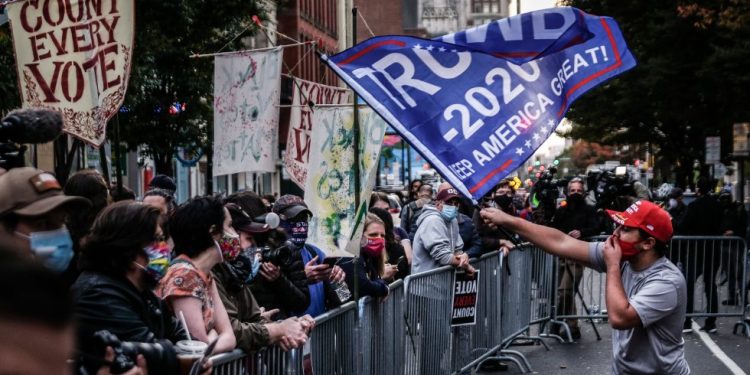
<point>474,343</point>
<point>333,342</point>
<point>381,332</point>
<point>427,318</point>
<point>275,361</point>
<point>542,286</point>
<point>232,363</point>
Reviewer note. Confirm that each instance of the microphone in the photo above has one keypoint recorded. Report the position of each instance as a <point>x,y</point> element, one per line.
<point>34,125</point>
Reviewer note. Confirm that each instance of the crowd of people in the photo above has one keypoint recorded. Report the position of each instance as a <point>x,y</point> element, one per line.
<point>238,271</point>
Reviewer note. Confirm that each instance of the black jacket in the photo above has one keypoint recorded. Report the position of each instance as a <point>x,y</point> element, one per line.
<point>470,236</point>
<point>373,287</point>
<point>288,293</point>
<point>579,216</point>
<point>106,303</point>
<point>703,218</point>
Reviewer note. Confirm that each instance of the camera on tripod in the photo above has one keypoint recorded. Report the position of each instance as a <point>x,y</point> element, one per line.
<point>160,356</point>
<point>611,187</point>
<point>546,190</point>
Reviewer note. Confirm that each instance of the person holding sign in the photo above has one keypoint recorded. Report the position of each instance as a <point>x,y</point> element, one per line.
<point>646,294</point>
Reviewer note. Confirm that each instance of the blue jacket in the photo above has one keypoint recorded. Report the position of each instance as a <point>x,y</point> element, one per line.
<point>317,290</point>
<point>470,236</point>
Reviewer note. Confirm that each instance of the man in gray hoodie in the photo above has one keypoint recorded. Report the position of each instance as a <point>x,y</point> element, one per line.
<point>438,242</point>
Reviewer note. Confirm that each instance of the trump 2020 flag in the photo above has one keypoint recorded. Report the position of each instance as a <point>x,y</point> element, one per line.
<point>478,103</point>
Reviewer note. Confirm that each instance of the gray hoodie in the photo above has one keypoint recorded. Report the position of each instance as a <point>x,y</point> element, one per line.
<point>435,242</point>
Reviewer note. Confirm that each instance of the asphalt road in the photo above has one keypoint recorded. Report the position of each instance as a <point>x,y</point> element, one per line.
<point>591,356</point>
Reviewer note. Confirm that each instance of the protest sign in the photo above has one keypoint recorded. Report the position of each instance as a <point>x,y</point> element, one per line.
<point>476,104</point>
<point>74,56</point>
<point>246,113</point>
<point>300,123</point>
<point>336,225</point>
<point>465,293</point>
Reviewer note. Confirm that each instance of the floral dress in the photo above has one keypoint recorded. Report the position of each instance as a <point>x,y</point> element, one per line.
<point>183,279</point>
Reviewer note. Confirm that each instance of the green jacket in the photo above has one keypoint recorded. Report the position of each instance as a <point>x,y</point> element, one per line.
<point>244,313</point>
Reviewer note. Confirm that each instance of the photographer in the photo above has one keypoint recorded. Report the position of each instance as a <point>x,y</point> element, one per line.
<point>250,324</point>
<point>122,259</point>
<point>283,285</point>
<point>578,220</point>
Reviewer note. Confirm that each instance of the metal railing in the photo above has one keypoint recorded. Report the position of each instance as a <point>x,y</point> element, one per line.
<point>410,332</point>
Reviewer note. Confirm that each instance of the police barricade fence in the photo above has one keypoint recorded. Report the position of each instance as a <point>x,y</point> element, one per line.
<point>410,332</point>
<point>715,270</point>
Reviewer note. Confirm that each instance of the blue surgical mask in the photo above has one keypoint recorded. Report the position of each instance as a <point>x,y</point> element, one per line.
<point>53,248</point>
<point>449,212</point>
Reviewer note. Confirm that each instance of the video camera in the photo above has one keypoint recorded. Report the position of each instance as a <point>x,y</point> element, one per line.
<point>543,195</point>
<point>611,188</point>
<point>26,126</point>
<point>278,256</point>
<point>160,356</point>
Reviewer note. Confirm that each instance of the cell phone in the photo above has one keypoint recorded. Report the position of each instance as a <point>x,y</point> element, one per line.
<point>400,260</point>
<point>331,261</point>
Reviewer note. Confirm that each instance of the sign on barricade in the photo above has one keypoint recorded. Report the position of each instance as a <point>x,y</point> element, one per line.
<point>465,294</point>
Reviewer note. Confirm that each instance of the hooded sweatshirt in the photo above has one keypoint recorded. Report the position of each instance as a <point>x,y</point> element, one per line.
<point>435,242</point>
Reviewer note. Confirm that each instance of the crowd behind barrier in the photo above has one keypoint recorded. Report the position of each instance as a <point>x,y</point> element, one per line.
<point>409,332</point>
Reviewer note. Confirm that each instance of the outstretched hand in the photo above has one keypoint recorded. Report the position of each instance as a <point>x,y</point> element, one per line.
<point>494,217</point>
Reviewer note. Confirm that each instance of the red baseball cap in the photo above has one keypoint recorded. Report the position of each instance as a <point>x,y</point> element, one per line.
<point>646,216</point>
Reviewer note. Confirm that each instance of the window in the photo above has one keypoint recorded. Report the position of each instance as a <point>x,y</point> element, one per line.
<point>485,6</point>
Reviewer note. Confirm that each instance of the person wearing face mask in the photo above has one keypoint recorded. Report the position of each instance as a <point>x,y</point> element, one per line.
<point>121,260</point>
<point>372,271</point>
<point>203,236</point>
<point>676,206</point>
<point>33,209</point>
<point>280,285</point>
<point>579,220</point>
<point>252,326</point>
<point>438,242</point>
<point>502,198</point>
<point>646,294</point>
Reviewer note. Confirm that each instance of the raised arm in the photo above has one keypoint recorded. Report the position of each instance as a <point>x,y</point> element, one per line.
<point>549,239</point>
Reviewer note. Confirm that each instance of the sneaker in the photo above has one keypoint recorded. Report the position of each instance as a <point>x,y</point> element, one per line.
<point>709,327</point>
<point>687,327</point>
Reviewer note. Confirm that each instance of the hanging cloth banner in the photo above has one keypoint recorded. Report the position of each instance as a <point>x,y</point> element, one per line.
<point>74,56</point>
<point>300,123</point>
<point>336,225</point>
<point>246,114</point>
<point>478,103</point>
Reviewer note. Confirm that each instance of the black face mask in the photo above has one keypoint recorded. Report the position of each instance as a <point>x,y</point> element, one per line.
<point>575,198</point>
<point>503,201</point>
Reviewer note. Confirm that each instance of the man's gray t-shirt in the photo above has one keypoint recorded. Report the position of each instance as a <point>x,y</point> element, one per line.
<point>659,296</point>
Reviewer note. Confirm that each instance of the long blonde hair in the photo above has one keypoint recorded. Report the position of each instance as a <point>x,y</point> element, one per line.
<point>380,263</point>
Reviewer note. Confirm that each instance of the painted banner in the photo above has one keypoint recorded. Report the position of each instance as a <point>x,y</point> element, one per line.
<point>246,113</point>
<point>336,225</point>
<point>74,56</point>
<point>300,123</point>
<point>478,103</point>
<point>465,301</point>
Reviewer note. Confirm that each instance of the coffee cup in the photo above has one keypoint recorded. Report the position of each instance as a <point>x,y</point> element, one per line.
<point>189,351</point>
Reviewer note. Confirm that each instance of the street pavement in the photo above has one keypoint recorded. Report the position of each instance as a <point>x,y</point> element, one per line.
<point>591,356</point>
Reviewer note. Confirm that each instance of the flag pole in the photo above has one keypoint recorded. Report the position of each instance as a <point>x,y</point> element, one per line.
<point>357,182</point>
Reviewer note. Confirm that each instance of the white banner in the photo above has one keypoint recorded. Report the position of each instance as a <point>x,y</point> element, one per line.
<point>246,113</point>
<point>74,56</point>
<point>336,225</point>
<point>301,124</point>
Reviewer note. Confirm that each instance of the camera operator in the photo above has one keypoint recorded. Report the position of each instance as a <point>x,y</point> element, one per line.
<point>122,259</point>
<point>251,327</point>
<point>33,209</point>
<point>578,220</point>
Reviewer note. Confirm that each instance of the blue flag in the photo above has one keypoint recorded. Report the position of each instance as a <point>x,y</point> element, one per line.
<point>478,103</point>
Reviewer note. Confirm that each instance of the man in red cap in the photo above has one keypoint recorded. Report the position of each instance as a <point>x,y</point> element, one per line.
<point>646,294</point>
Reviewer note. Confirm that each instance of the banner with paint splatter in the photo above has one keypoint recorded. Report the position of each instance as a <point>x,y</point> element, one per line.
<point>336,225</point>
<point>246,114</point>
<point>300,123</point>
